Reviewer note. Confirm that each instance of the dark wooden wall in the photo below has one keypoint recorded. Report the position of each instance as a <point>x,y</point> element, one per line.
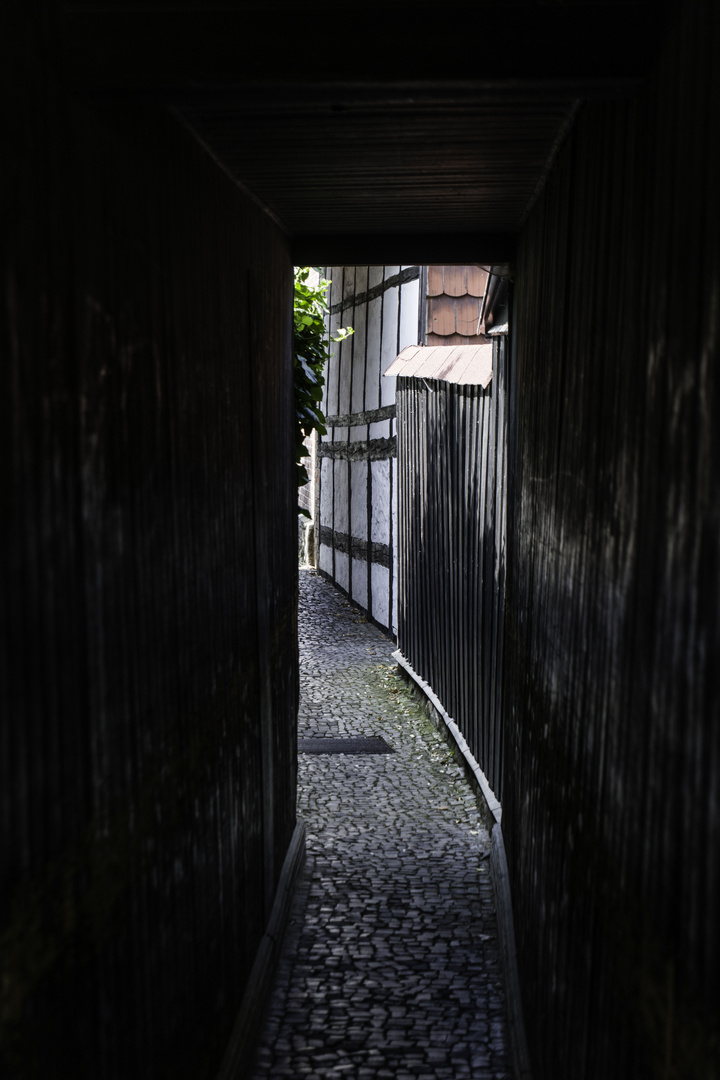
<point>612,768</point>
<point>148,681</point>
<point>451,549</point>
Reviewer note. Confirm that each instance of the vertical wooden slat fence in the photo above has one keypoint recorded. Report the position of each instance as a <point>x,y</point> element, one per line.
<point>451,549</point>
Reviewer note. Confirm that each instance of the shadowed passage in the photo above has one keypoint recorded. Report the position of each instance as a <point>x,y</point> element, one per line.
<point>391,965</point>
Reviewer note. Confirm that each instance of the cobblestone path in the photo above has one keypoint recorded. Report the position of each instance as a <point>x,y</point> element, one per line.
<point>391,964</point>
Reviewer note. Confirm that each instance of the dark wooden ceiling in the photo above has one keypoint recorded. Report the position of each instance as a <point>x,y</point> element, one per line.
<point>416,131</point>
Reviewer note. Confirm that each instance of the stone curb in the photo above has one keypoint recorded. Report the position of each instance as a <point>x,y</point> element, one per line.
<point>237,1063</point>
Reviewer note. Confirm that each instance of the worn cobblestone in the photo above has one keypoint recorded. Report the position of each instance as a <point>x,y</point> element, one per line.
<point>391,963</point>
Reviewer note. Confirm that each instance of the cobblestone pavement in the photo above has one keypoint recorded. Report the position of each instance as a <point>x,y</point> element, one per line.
<point>391,964</point>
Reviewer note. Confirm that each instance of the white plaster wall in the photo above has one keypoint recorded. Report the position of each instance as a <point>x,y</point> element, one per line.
<point>326,491</point>
<point>325,558</point>
<point>341,496</point>
<point>375,275</point>
<point>372,379</point>
<point>331,377</point>
<point>380,522</point>
<point>346,347</point>
<point>342,570</point>
<point>361,279</point>
<point>348,282</point>
<point>409,314</point>
<point>389,348</point>
<point>358,372</point>
<point>358,499</point>
<point>380,584</point>
<point>393,479</point>
<point>359,582</point>
<point>380,430</point>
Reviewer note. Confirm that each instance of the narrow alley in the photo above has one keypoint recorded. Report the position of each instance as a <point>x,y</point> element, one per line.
<point>539,521</point>
<point>391,964</point>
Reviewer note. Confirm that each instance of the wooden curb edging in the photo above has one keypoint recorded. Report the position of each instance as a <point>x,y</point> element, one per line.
<point>506,931</point>
<point>239,1054</point>
<point>500,879</point>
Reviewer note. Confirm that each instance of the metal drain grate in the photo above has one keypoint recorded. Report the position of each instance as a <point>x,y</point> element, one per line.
<point>358,745</point>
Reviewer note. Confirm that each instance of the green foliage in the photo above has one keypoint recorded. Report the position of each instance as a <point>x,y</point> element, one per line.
<point>311,351</point>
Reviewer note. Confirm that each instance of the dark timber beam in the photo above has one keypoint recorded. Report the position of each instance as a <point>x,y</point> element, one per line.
<point>170,43</point>
<point>402,249</point>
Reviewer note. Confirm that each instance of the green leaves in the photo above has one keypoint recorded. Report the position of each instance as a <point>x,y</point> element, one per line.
<point>311,350</point>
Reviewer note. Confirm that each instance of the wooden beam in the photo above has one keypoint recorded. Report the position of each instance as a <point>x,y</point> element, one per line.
<point>402,249</point>
<point>176,45</point>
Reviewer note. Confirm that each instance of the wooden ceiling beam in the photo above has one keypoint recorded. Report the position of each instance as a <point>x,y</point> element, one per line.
<point>180,45</point>
<point>402,249</point>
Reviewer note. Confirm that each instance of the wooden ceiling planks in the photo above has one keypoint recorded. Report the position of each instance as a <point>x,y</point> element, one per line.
<point>370,137</point>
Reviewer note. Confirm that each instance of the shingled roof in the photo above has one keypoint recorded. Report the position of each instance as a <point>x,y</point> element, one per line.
<point>454,302</point>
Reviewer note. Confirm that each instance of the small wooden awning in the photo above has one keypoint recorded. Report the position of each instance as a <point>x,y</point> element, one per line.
<point>469,365</point>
